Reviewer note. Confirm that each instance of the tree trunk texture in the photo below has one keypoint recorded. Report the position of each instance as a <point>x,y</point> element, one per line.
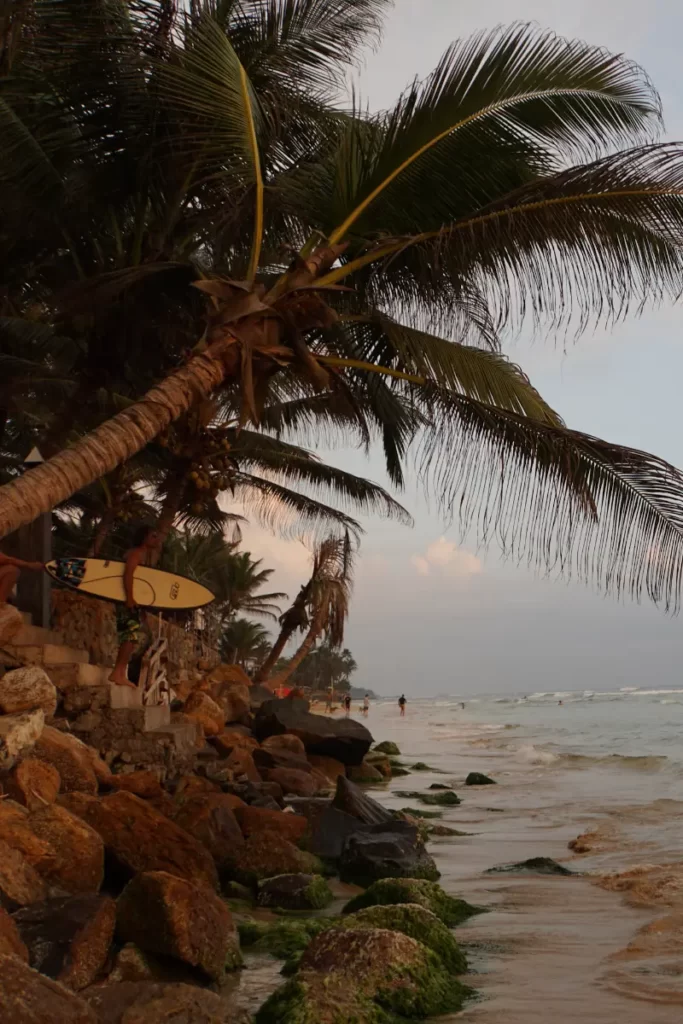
<point>304,650</point>
<point>276,650</point>
<point>114,442</point>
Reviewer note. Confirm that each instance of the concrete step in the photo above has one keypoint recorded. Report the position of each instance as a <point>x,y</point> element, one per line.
<point>124,698</point>
<point>48,654</point>
<point>182,735</point>
<point>157,718</point>
<point>36,636</point>
<point>73,674</point>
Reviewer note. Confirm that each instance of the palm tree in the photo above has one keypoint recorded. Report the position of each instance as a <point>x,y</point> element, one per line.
<point>243,642</point>
<point>182,197</point>
<point>323,610</point>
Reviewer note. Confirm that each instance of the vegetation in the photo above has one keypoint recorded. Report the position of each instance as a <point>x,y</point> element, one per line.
<point>206,260</point>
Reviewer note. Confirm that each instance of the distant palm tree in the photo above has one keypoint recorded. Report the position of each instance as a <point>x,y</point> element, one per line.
<point>243,642</point>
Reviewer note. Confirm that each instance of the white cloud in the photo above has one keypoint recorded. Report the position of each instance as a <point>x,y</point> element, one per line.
<point>445,558</point>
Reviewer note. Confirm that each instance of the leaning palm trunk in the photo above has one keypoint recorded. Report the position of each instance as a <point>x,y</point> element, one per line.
<point>278,647</point>
<point>304,650</point>
<point>115,441</point>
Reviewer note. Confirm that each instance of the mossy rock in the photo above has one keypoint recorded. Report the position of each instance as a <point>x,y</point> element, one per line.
<point>417,922</point>
<point>448,909</point>
<point>447,799</point>
<point>420,766</point>
<point>387,747</point>
<point>419,812</point>
<point>282,939</point>
<point>533,866</point>
<point>477,779</point>
<point>440,785</point>
<point>398,773</point>
<point>364,976</point>
<point>294,892</point>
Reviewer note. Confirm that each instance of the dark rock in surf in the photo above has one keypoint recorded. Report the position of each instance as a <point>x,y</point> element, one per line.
<point>386,851</point>
<point>330,831</point>
<point>345,739</point>
<point>534,866</point>
<point>477,779</point>
<point>351,799</point>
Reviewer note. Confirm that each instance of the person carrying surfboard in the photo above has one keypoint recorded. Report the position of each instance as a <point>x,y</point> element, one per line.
<point>130,618</point>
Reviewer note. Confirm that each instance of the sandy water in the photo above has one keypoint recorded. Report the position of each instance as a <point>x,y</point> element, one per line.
<point>602,947</point>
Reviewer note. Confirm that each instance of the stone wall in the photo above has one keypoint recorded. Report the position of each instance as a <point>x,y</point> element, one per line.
<point>89,624</point>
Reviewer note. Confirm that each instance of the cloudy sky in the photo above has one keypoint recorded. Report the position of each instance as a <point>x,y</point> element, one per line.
<point>431,616</point>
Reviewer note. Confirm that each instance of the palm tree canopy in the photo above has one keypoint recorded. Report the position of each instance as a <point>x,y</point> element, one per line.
<point>169,185</point>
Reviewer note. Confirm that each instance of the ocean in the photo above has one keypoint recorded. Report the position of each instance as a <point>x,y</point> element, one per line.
<point>604,946</point>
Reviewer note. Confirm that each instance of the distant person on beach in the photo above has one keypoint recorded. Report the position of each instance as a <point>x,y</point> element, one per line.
<point>9,574</point>
<point>402,704</point>
<point>130,618</point>
<point>366,704</point>
<point>347,704</point>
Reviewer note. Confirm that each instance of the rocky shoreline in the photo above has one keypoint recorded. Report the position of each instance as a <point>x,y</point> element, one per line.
<point>129,895</point>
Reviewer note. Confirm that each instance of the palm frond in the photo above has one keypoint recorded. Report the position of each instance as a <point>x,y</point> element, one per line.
<point>289,512</point>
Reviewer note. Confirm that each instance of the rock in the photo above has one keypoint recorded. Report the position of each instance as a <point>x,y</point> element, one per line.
<point>398,773</point>
<point>328,766</point>
<point>67,755</point>
<point>477,779</point>
<point>389,891</point>
<point>380,762</point>
<point>257,820</point>
<point>294,782</point>
<point>259,695</point>
<point>25,689</point>
<point>241,763</point>
<point>230,740</point>
<point>131,964</point>
<point>234,703</point>
<point>203,709</point>
<point>266,854</point>
<point>99,765</point>
<point>79,804</point>
<point>11,622</point>
<point>386,852</point>
<point>440,786</point>
<point>138,838</point>
<point>351,799</point>
<point>343,739</point>
<point>20,884</point>
<point>294,892</point>
<point>267,759</point>
<point>144,784</point>
<point>285,741</point>
<point>282,938</point>
<point>210,819</point>
<point>16,831</point>
<point>33,783</point>
<point>19,734</point>
<point>444,799</point>
<point>387,747</point>
<point>147,1002</point>
<point>170,916</point>
<point>364,773</point>
<point>27,997</point>
<point>10,939</point>
<point>193,785</point>
<point>417,922</point>
<point>354,975</point>
<point>330,831</point>
<point>79,851</point>
<point>225,675</point>
<point>273,790</point>
<point>420,766</point>
<point>69,939</point>
<point>533,866</point>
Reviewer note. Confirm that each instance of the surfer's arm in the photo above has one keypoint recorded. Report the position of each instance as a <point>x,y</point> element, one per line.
<point>133,559</point>
<point>18,563</point>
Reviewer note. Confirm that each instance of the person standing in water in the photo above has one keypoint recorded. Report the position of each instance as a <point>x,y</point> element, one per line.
<point>366,705</point>
<point>130,618</point>
<point>347,704</point>
<point>402,704</point>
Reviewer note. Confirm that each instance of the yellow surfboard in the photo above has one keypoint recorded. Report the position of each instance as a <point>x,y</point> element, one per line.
<point>152,588</point>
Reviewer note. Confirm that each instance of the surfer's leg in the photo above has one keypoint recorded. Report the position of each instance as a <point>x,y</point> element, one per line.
<point>119,675</point>
<point>128,621</point>
<point>9,574</point>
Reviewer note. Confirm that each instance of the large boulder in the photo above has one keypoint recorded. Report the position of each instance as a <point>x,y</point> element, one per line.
<point>24,689</point>
<point>417,922</point>
<point>33,783</point>
<point>267,854</point>
<point>200,707</point>
<point>328,766</point>
<point>18,735</point>
<point>358,974</point>
<point>193,785</point>
<point>11,622</point>
<point>144,784</point>
<point>167,915</point>
<point>210,818</point>
<point>69,939</point>
<point>225,676</point>
<point>10,939</point>
<point>286,741</point>
<point>477,779</point>
<point>16,831</point>
<point>387,747</point>
<point>69,757</point>
<point>351,799</point>
<point>27,997</point>
<point>294,892</point>
<point>330,830</point>
<point>267,758</point>
<point>231,739</point>
<point>138,838</point>
<point>365,773</point>
<point>147,1002</point>
<point>20,884</point>
<point>293,782</point>
<point>256,820</point>
<point>395,851</point>
<point>241,763</point>
<point>79,851</point>
<point>343,739</point>
<point>234,703</point>
<point>416,891</point>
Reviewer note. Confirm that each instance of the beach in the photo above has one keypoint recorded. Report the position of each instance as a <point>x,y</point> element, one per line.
<point>605,946</point>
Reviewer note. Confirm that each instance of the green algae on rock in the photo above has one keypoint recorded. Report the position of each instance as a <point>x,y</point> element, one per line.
<point>420,766</point>
<point>282,939</point>
<point>533,866</point>
<point>477,779</point>
<point>295,892</point>
<point>387,747</point>
<point>441,799</point>
<point>416,922</point>
<point>419,812</point>
<point>398,772</point>
<point>448,909</point>
<point>365,976</point>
